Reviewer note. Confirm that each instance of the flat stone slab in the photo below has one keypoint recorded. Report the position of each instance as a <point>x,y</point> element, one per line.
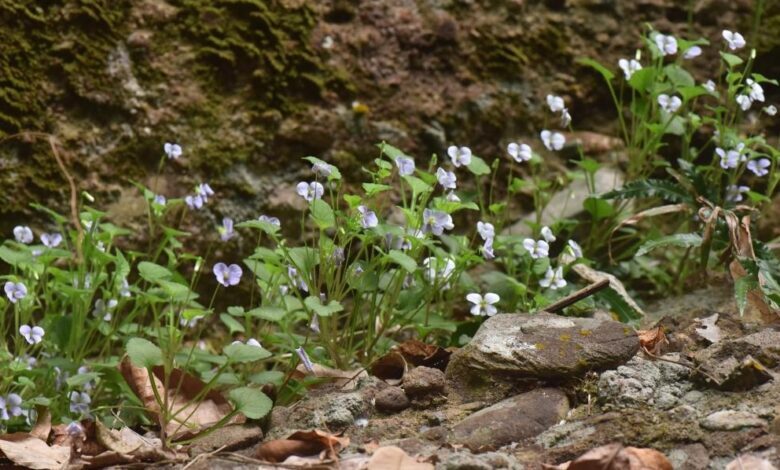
<point>512,420</point>
<point>543,346</point>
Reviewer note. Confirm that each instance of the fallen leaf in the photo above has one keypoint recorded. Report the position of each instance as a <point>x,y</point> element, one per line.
<point>131,446</point>
<point>344,379</point>
<point>617,457</point>
<point>31,452</point>
<point>593,276</point>
<point>391,368</point>
<point>423,354</point>
<point>394,458</point>
<point>750,462</point>
<point>83,443</point>
<point>192,416</point>
<point>709,330</point>
<point>652,340</point>
<point>42,427</point>
<point>301,444</point>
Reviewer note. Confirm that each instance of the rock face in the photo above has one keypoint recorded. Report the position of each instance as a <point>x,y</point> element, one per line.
<point>543,346</point>
<point>740,364</point>
<point>391,400</point>
<point>422,381</point>
<point>645,382</point>
<point>512,420</point>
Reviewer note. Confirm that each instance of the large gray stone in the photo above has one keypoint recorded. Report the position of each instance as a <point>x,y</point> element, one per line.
<point>512,420</point>
<point>508,347</point>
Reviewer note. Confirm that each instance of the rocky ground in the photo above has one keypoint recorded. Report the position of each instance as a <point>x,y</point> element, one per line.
<point>545,389</point>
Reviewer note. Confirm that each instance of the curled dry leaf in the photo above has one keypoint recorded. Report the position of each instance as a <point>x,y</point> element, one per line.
<point>709,330</point>
<point>617,457</point>
<point>302,443</point>
<point>652,340</point>
<point>391,368</point>
<point>42,427</point>
<point>418,353</point>
<point>27,451</point>
<point>125,446</point>
<point>394,458</point>
<point>192,417</point>
<point>594,276</point>
<point>344,379</point>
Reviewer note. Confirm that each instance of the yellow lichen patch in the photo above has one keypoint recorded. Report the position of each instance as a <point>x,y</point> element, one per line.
<point>585,332</point>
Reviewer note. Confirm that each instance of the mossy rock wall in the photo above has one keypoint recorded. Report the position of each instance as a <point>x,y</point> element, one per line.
<point>248,87</point>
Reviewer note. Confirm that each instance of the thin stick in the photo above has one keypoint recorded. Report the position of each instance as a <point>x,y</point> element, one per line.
<point>575,297</point>
<point>74,201</point>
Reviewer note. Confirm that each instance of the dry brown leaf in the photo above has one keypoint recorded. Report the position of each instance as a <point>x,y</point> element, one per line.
<point>31,452</point>
<point>42,427</point>
<point>423,354</point>
<point>391,368</point>
<point>750,462</point>
<point>131,445</point>
<point>652,340</point>
<point>302,443</point>
<point>345,379</point>
<point>192,417</point>
<point>593,276</point>
<point>709,330</point>
<point>617,457</point>
<point>394,458</point>
<point>81,444</point>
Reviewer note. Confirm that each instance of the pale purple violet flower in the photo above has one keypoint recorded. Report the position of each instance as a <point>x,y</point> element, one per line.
<point>536,248</point>
<point>759,167</point>
<point>667,44</point>
<point>322,169</point>
<point>447,179</point>
<point>33,335</point>
<point>270,220</point>
<point>436,221</point>
<point>172,150</point>
<point>10,406</point>
<point>405,166</point>
<point>486,230</point>
<point>307,364</point>
<point>734,192</point>
<point>519,152</point>
<point>310,191</point>
<point>547,234</point>
<point>204,190</point>
<point>159,199</point>
<point>693,51</point>
<point>79,403</point>
<point>296,279</point>
<point>368,217</point>
<point>103,309</point>
<point>487,249</point>
<point>194,202</point>
<point>733,39</point>
<point>483,306</point>
<point>15,291</point>
<point>227,275</point>
<point>51,240</point>
<point>552,140</point>
<point>226,231</point>
<point>23,234</point>
<point>460,156</point>
<point>629,67</point>
<point>553,279</point>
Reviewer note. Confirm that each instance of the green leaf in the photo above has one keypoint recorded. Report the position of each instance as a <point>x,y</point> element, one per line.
<point>254,404</point>
<point>690,92</point>
<point>418,186</point>
<point>153,272</point>
<point>322,214</point>
<point>373,189</point>
<point>304,259</point>
<point>618,305</point>
<point>589,165</point>
<point>478,166</point>
<point>643,79</point>
<point>667,190</point>
<point>731,59</point>
<point>684,240</point>
<point>262,225</point>
<point>315,304</point>
<point>404,260</point>
<point>606,73</point>
<point>233,325</point>
<point>13,257</point>
<point>352,200</point>
<point>272,314</point>
<point>80,379</point>
<point>177,292</point>
<point>390,151</point>
<point>540,265</point>
<point>678,76</point>
<point>242,353</point>
<point>144,353</point>
<point>275,377</point>
<point>598,208</point>
<point>742,287</point>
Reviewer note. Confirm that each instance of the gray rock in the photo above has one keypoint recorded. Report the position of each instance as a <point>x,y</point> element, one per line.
<point>391,400</point>
<point>512,420</point>
<point>690,457</point>
<point>729,420</point>
<point>645,382</point>
<point>542,346</point>
<point>485,461</point>
<point>422,381</point>
<point>565,434</point>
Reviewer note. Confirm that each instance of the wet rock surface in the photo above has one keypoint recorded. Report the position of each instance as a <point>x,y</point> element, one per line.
<point>542,346</point>
<point>512,420</point>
